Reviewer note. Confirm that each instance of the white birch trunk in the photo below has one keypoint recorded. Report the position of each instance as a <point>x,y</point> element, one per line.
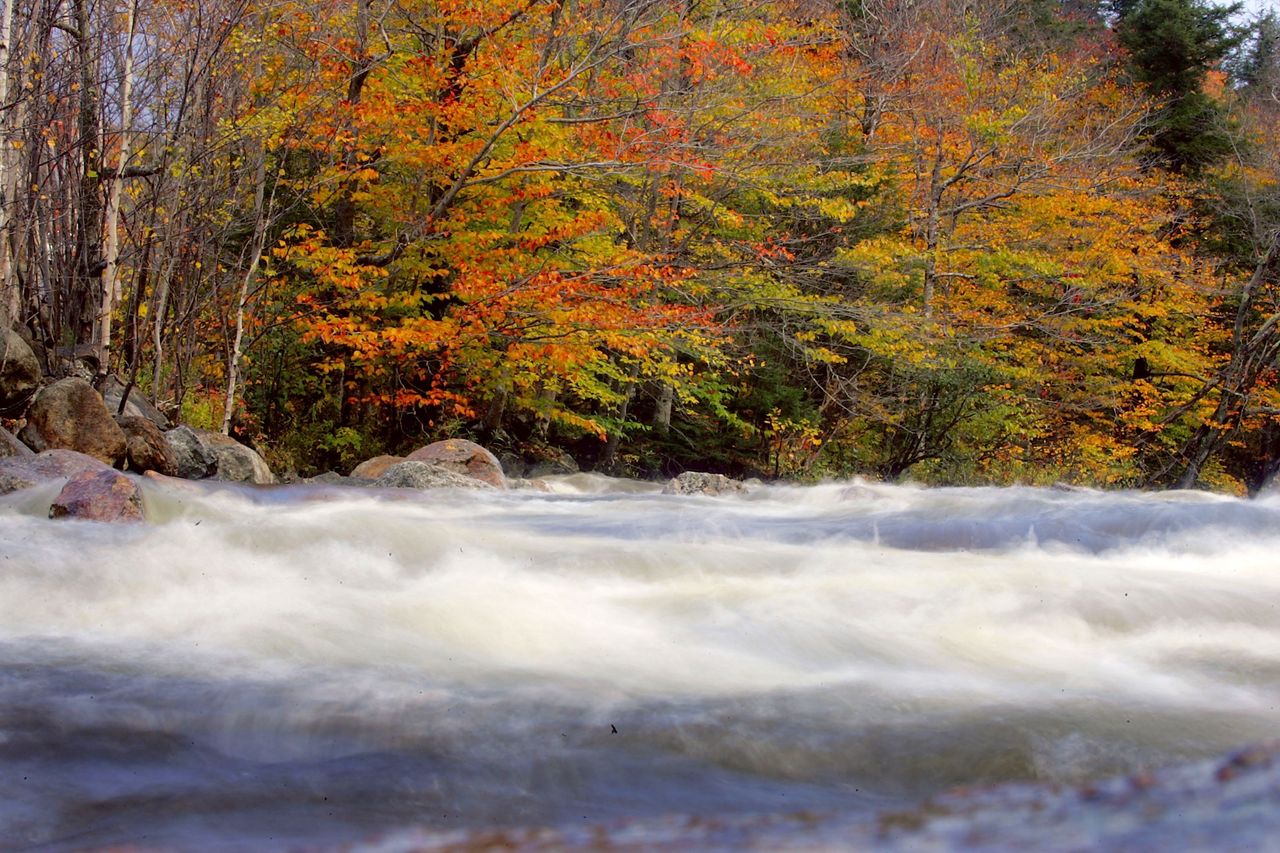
<point>111,290</point>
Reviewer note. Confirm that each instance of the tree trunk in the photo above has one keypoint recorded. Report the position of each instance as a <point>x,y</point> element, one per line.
<point>111,289</point>
<point>260,216</point>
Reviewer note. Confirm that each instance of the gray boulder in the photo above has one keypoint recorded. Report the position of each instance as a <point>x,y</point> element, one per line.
<point>236,463</point>
<point>10,446</point>
<point>99,496</point>
<point>700,483</point>
<point>19,371</point>
<point>464,457</point>
<point>145,446</point>
<point>412,474</point>
<point>194,460</point>
<point>137,405</point>
<point>70,414</point>
<point>562,464</point>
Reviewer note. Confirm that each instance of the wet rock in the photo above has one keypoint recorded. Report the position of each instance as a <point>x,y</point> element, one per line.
<point>377,466</point>
<point>700,483</point>
<point>561,465</point>
<point>412,474</point>
<point>99,496</point>
<point>195,460</point>
<point>11,447</point>
<point>137,406</point>
<point>23,472</point>
<point>19,371</point>
<point>70,414</point>
<point>526,485</point>
<point>145,446</point>
<point>464,457</point>
<point>236,463</point>
<point>333,478</point>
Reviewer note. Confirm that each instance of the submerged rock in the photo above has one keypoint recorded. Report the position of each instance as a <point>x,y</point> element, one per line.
<point>374,468</point>
<point>412,474</point>
<point>1226,804</point>
<point>464,457</point>
<point>700,483</point>
<point>70,414</point>
<point>99,496</point>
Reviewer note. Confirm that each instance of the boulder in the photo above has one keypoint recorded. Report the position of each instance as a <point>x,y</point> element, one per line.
<point>562,465</point>
<point>19,371</point>
<point>236,463</point>
<point>137,405</point>
<point>374,468</point>
<point>412,474</point>
<point>10,446</point>
<point>99,496</point>
<point>701,483</point>
<point>145,446</point>
<point>70,414</point>
<point>195,461</point>
<point>333,478</point>
<point>23,472</point>
<point>464,457</point>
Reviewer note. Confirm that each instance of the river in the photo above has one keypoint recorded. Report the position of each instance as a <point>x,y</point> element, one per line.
<point>258,669</point>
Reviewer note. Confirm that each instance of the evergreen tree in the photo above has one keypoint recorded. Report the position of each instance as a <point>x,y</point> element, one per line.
<point>1173,45</point>
<point>1258,70</point>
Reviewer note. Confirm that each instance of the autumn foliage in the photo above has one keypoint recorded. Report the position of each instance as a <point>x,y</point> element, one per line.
<point>933,239</point>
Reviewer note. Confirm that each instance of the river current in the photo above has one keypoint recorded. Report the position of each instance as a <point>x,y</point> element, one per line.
<point>260,669</point>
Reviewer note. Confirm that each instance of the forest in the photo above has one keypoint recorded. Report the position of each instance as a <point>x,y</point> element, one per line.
<point>1010,241</point>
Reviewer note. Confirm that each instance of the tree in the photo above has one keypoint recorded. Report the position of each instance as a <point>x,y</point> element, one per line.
<point>1173,47</point>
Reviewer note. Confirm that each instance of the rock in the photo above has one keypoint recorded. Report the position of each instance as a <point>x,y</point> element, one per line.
<point>374,468</point>
<point>99,496</point>
<point>22,473</point>
<point>513,465</point>
<point>19,371</point>
<point>11,447</point>
<point>412,474</point>
<point>700,483</point>
<point>535,485</point>
<point>195,461</point>
<point>236,463</point>
<point>464,457</point>
<point>561,465</point>
<point>333,478</point>
<point>137,406</point>
<point>70,414</point>
<point>145,446</point>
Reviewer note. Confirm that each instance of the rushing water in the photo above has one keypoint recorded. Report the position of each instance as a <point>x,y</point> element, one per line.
<point>256,669</point>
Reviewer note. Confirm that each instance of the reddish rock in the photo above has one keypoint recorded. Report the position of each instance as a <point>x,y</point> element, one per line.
<point>374,468</point>
<point>99,496</point>
<point>464,457</point>
<point>145,446</point>
<point>21,473</point>
<point>70,414</point>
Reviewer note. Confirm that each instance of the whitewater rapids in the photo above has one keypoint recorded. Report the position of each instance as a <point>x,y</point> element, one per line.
<point>264,668</point>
